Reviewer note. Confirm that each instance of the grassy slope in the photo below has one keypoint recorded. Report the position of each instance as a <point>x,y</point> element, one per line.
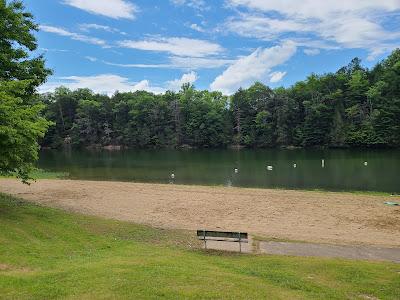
<point>47,253</point>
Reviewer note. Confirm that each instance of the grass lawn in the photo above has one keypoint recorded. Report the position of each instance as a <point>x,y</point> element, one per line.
<point>42,174</point>
<point>47,253</point>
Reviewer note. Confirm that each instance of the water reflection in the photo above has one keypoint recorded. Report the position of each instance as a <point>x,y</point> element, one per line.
<point>296,169</point>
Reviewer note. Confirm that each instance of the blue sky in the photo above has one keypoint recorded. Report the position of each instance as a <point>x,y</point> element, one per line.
<point>127,45</point>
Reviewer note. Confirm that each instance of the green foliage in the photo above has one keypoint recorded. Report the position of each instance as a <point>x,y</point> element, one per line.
<point>139,119</point>
<point>354,107</point>
<point>16,41</point>
<point>47,254</point>
<point>20,127</point>
<point>21,124</point>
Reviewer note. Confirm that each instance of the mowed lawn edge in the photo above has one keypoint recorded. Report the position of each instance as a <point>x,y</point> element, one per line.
<point>49,253</point>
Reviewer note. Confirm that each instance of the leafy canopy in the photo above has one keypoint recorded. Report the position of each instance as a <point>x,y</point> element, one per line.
<point>21,124</point>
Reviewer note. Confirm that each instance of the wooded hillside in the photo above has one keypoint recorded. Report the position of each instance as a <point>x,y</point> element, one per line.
<point>354,107</point>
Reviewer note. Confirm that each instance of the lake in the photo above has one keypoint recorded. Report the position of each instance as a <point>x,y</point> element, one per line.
<point>344,170</point>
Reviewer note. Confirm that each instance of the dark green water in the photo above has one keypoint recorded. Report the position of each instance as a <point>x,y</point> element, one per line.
<point>344,169</point>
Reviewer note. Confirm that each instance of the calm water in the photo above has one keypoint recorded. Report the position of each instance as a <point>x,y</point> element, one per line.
<point>344,169</point>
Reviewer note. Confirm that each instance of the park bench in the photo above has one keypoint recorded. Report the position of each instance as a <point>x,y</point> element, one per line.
<point>223,236</point>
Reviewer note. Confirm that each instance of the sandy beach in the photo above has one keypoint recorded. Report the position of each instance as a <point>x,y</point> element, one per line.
<point>321,217</point>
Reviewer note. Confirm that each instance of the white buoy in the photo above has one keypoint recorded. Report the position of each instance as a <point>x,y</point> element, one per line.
<point>323,163</point>
<point>294,165</point>
<point>236,170</point>
<point>365,163</point>
<point>172,176</point>
<point>269,168</point>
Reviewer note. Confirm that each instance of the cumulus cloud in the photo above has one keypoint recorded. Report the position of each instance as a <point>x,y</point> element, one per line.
<point>103,84</point>
<point>176,46</point>
<point>116,9</point>
<point>73,35</point>
<point>110,83</point>
<point>348,24</point>
<point>176,84</point>
<point>145,85</point>
<point>253,67</point>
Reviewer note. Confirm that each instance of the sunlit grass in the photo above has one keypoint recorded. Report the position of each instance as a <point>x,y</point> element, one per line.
<point>47,253</point>
<point>43,174</point>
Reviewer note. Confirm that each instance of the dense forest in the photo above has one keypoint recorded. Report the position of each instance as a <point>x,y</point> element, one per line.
<point>354,107</point>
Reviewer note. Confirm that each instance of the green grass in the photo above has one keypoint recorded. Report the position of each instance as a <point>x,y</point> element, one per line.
<point>43,174</point>
<point>47,253</point>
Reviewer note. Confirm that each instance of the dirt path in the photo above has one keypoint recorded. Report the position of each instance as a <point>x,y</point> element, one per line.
<point>321,217</point>
<point>363,252</point>
<point>324,250</point>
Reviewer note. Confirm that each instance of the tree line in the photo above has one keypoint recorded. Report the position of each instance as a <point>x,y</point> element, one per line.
<point>353,107</point>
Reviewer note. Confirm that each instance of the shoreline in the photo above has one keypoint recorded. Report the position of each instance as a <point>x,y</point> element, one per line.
<point>338,218</point>
<point>49,175</point>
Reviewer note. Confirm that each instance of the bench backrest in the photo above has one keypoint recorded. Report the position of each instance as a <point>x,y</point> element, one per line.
<point>209,234</point>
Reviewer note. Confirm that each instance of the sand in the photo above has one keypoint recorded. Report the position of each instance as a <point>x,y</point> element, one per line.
<point>320,217</point>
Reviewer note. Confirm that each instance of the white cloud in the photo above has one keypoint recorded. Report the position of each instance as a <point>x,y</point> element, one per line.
<point>196,4</point>
<point>316,8</point>
<point>199,62</point>
<point>276,76</point>
<point>265,28</point>
<point>176,46</point>
<point>144,85</point>
<point>53,50</point>
<point>144,66</point>
<point>72,35</point>
<point>253,67</point>
<point>374,53</point>
<point>176,84</point>
<point>88,27</point>
<point>311,52</point>
<point>116,9</point>
<point>91,58</point>
<point>110,83</point>
<point>315,44</point>
<point>348,24</point>
<point>197,27</point>
<point>177,62</point>
<point>104,84</point>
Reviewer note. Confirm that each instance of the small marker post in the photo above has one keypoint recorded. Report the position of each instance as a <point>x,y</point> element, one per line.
<point>240,243</point>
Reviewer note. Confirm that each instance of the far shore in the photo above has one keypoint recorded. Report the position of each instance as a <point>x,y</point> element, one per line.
<point>310,216</point>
